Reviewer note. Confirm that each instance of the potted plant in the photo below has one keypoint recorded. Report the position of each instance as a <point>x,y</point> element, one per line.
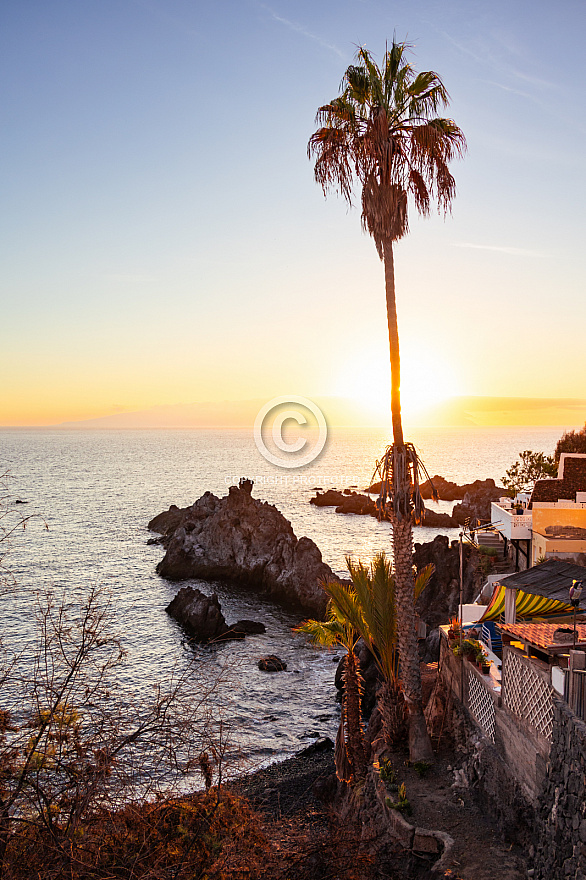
<point>469,649</point>
<point>485,667</point>
<point>454,630</point>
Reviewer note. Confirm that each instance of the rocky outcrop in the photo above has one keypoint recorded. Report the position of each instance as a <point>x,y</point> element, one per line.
<point>440,600</point>
<point>475,505</point>
<point>357,503</point>
<point>475,497</point>
<point>434,519</point>
<point>330,498</point>
<point>246,541</point>
<point>202,616</point>
<point>447,490</point>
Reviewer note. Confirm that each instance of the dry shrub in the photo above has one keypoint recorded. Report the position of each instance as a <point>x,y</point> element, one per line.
<point>201,836</point>
<point>178,838</point>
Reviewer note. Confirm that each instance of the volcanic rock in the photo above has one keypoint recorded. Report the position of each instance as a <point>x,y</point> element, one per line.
<point>475,504</point>
<point>330,498</point>
<point>355,502</point>
<point>244,540</point>
<point>272,664</point>
<point>249,627</point>
<point>447,490</point>
<point>202,616</point>
<point>434,519</point>
<point>440,599</point>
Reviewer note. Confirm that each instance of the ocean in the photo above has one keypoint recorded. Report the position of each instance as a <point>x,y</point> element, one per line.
<point>96,492</point>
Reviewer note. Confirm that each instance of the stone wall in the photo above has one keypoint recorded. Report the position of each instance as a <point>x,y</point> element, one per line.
<point>507,768</point>
<point>560,833</point>
<point>536,790</point>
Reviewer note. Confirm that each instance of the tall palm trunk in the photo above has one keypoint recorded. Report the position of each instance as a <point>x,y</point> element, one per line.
<point>419,742</point>
<point>389,263</point>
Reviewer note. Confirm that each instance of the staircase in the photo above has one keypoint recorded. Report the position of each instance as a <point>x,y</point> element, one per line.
<point>499,565</point>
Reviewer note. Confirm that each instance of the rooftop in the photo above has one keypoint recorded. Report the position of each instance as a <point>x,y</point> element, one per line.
<point>541,635</point>
<point>571,479</point>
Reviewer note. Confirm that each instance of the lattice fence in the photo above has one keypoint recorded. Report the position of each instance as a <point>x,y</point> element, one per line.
<point>481,704</point>
<point>527,694</point>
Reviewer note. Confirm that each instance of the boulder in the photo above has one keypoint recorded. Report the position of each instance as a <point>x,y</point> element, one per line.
<point>202,616</point>
<point>272,664</point>
<point>249,627</point>
<point>246,541</point>
<point>322,744</point>
<point>198,613</point>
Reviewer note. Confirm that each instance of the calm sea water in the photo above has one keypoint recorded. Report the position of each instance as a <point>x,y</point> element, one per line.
<point>97,490</point>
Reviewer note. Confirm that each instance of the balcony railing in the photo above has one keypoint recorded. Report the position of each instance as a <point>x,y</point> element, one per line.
<point>509,523</point>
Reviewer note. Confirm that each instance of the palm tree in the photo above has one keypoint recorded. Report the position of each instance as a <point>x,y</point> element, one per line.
<point>369,606</point>
<point>336,630</point>
<point>383,132</point>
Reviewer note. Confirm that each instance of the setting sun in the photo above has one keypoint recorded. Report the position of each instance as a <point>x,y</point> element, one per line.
<point>426,380</point>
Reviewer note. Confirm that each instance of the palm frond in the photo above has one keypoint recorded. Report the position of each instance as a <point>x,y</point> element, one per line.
<point>326,633</point>
<point>399,470</point>
<point>423,578</point>
<point>382,133</point>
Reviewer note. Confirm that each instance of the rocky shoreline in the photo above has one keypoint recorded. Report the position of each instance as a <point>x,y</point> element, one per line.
<point>250,543</point>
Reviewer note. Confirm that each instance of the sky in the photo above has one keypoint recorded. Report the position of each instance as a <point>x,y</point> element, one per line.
<point>163,241</point>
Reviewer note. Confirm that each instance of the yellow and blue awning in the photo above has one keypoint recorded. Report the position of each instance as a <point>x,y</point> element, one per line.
<point>527,605</point>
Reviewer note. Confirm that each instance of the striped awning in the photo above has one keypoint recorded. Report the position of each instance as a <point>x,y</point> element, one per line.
<point>527,605</point>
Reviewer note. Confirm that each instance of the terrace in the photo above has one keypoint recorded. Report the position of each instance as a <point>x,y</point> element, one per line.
<point>513,521</point>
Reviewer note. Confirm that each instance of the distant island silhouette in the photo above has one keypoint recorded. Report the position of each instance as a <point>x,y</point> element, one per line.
<point>342,412</point>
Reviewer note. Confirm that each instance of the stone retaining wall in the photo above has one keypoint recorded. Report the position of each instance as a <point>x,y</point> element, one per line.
<point>560,834</point>
<point>536,790</point>
<point>507,765</point>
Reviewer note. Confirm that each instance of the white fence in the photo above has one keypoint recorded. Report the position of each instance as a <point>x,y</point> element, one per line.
<point>481,704</point>
<point>526,693</point>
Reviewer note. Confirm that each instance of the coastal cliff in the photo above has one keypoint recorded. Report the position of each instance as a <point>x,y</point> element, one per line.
<point>244,540</point>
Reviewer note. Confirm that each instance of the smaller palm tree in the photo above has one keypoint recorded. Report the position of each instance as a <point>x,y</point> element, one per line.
<point>335,630</point>
<point>368,605</point>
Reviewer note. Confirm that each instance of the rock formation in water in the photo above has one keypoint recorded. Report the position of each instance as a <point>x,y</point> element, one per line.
<point>244,540</point>
<point>202,616</point>
<point>355,502</point>
<point>475,498</point>
<point>447,490</point>
<point>272,663</point>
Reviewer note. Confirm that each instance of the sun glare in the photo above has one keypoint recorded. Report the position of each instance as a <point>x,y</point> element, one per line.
<point>426,380</point>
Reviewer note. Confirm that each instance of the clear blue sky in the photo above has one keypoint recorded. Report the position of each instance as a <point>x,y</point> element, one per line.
<point>163,240</point>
